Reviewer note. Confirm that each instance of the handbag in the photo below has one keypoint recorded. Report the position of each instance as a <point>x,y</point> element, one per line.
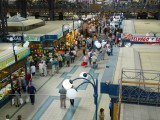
<point>27,99</point>
<point>21,101</point>
<point>82,64</point>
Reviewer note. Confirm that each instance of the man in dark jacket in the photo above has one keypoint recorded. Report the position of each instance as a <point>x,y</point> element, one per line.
<point>32,90</point>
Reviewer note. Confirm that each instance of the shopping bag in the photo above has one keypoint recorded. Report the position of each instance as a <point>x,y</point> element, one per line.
<point>27,99</point>
<point>82,64</point>
<point>13,102</point>
<point>21,101</point>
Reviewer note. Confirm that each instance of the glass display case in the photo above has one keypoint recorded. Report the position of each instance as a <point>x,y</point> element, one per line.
<point>5,87</point>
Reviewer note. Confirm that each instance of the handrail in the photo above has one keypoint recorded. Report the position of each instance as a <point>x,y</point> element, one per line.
<point>141,83</point>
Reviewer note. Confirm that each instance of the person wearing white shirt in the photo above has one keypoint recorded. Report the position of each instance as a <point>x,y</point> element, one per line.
<point>44,68</point>
<point>41,68</point>
<point>33,70</point>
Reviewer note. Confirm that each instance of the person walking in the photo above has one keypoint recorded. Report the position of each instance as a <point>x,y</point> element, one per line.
<point>44,68</point>
<point>90,57</point>
<point>33,70</point>
<point>84,50</point>
<point>49,67</point>
<point>103,52</point>
<point>31,90</point>
<point>85,61</point>
<point>23,84</point>
<point>94,61</point>
<point>40,68</point>
<point>72,56</point>
<point>60,60</point>
<point>56,64</point>
<point>68,58</point>
<point>63,92</point>
<point>17,94</point>
<point>19,117</point>
<point>111,109</point>
<point>28,78</point>
<point>72,100</point>
<point>7,117</point>
<point>101,114</point>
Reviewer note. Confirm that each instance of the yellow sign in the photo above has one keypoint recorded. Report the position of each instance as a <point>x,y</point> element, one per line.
<point>7,62</point>
<point>23,54</point>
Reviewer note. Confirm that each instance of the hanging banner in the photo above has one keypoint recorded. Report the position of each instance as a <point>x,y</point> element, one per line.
<point>23,54</point>
<point>7,62</point>
<point>145,39</point>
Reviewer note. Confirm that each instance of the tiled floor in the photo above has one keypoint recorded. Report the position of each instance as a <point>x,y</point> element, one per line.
<point>47,105</point>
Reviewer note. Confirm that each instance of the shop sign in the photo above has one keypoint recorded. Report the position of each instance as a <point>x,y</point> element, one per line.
<point>32,38</point>
<point>23,54</point>
<point>59,35</point>
<point>51,37</point>
<point>5,63</point>
<point>16,38</point>
<point>145,39</point>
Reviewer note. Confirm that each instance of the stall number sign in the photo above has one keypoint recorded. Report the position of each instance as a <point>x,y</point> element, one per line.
<point>7,62</point>
<point>23,54</point>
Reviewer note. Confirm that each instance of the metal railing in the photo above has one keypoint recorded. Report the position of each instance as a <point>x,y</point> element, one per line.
<point>139,87</point>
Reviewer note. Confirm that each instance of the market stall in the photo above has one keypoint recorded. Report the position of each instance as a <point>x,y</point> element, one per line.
<point>35,46</point>
<point>60,45</point>
<point>10,71</point>
<point>48,45</point>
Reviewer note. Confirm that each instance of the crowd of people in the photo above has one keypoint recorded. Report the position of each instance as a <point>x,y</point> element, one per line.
<point>90,50</point>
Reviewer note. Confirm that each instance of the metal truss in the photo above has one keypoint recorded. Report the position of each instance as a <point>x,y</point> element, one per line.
<point>44,6</point>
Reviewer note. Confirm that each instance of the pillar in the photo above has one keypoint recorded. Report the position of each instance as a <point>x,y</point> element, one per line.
<point>60,16</point>
<point>3,20</point>
<point>51,9</point>
<point>23,8</point>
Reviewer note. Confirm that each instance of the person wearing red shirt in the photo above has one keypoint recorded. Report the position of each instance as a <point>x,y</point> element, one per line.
<point>28,78</point>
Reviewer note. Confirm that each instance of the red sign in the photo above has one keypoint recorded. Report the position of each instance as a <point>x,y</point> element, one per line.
<point>145,39</point>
